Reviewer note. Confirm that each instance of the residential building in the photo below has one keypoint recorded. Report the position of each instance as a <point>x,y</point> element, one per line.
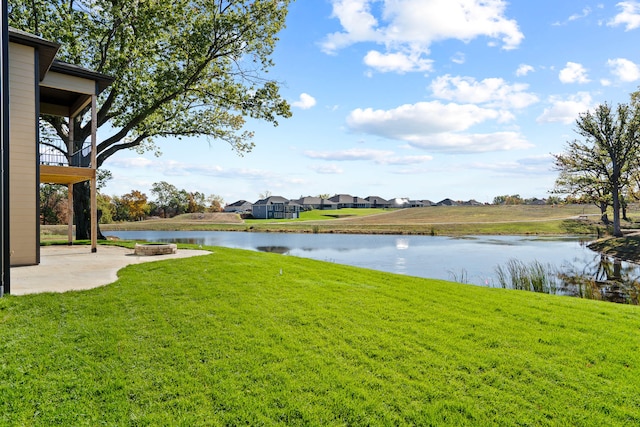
<point>447,202</point>
<point>39,85</point>
<point>347,201</point>
<point>241,206</point>
<point>399,202</point>
<point>378,202</point>
<point>275,207</point>
<point>309,203</point>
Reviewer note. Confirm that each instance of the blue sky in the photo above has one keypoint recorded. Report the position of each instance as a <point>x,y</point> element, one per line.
<point>424,99</point>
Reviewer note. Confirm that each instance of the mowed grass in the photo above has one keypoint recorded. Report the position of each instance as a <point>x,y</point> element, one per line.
<point>325,215</point>
<point>249,338</point>
<point>438,220</point>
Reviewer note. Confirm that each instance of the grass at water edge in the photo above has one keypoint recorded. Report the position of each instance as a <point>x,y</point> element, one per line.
<point>241,337</point>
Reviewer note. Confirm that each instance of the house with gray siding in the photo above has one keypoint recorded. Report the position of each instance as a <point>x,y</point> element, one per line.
<point>378,202</point>
<point>399,202</point>
<point>348,201</point>
<point>309,203</point>
<point>276,207</point>
<point>239,207</point>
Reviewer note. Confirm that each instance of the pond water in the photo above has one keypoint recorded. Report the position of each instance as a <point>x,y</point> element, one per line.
<point>468,259</point>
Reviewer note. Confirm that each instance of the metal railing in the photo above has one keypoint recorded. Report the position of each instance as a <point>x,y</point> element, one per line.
<point>57,156</point>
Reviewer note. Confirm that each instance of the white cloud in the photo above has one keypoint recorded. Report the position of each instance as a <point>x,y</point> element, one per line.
<point>624,69</point>
<point>351,154</point>
<point>382,157</point>
<point>405,160</point>
<point>573,73</point>
<point>576,16</point>
<point>421,118</point>
<point>305,102</point>
<point>540,165</point>
<point>458,58</point>
<point>494,92</point>
<point>471,143</point>
<point>328,169</point>
<point>629,16</point>
<point>131,162</point>
<point>398,62</point>
<point>524,69</point>
<point>566,110</point>
<point>408,27</point>
<point>437,126</point>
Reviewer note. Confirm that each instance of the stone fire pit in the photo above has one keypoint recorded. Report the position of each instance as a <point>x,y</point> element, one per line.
<point>155,249</point>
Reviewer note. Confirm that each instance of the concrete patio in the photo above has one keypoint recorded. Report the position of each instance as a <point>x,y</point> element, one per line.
<point>73,268</point>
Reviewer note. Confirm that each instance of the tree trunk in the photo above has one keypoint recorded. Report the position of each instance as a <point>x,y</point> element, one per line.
<point>82,211</point>
<point>603,213</point>
<point>617,232</point>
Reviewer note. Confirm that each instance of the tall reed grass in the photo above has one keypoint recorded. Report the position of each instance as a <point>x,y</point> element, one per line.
<point>535,277</point>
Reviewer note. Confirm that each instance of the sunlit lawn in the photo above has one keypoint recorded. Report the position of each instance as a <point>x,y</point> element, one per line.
<point>251,338</point>
<point>322,215</point>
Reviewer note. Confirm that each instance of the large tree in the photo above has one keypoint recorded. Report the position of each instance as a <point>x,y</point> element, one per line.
<point>181,68</point>
<point>606,155</point>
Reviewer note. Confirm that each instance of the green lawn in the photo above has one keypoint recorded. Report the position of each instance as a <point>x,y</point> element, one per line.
<point>323,215</point>
<point>249,338</point>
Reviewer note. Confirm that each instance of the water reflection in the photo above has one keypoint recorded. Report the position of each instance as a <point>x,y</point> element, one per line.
<point>402,244</point>
<point>601,278</point>
<point>606,279</point>
<point>274,249</point>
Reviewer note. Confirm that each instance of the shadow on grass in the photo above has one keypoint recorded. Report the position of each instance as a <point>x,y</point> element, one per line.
<point>572,226</point>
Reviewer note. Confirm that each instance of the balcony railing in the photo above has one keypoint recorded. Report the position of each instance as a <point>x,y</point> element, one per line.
<point>53,155</point>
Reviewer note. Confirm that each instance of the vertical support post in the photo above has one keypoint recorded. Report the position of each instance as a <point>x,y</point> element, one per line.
<point>70,186</point>
<point>5,287</point>
<point>70,213</point>
<point>94,189</point>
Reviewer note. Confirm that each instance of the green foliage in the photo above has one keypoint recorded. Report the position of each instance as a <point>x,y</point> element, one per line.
<point>132,206</point>
<point>514,199</point>
<point>181,68</point>
<point>170,201</point>
<point>53,204</point>
<point>248,338</point>
<point>599,167</point>
<point>106,208</point>
<point>215,203</point>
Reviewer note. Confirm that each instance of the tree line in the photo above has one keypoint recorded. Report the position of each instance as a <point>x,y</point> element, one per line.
<point>168,201</point>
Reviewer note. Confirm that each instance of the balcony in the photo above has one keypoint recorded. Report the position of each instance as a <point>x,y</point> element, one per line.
<point>57,167</point>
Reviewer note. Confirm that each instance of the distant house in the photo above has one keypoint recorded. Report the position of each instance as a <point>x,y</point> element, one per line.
<point>399,202</point>
<point>276,207</point>
<point>309,203</point>
<point>447,202</point>
<point>536,201</point>
<point>347,201</point>
<point>378,202</point>
<point>239,207</point>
